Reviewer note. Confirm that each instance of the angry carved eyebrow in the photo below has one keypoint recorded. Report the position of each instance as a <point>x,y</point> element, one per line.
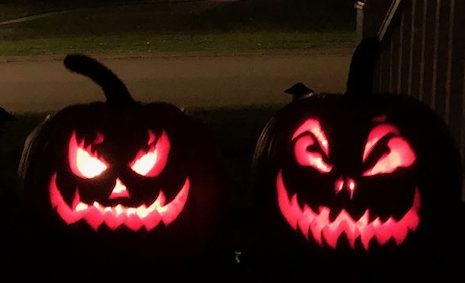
<point>313,126</point>
<point>376,134</point>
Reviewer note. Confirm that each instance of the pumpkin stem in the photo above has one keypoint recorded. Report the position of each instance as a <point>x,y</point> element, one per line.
<point>5,116</point>
<point>362,68</point>
<point>299,91</point>
<point>115,90</point>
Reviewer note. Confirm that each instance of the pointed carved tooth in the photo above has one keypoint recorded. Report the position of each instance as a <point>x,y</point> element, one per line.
<point>107,209</point>
<point>133,222</point>
<point>305,220</point>
<point>182,195</point>
<point>372,217</point>
<point>366,234</point>
<point>399,233</point>
<point>142,211</point>
<point>316,232</point>
<point>295,204</point>
<point>81,207</point>
<point>119,209</point>
<point>347,223</point>
<point>342,224</point>
<point>376,223</point>
<point>152,207</point>
<point>76,200</point>
<point>386,230</point>
<point>351,231</point>
<point>131,211</point>
<point>99,206</point>
<point>160,201</point>
<point>319,223</point>
<point>330,236</point>
<point>152,220</point>
<point>363,221</point>
<point>113,221</point>
<point>68,215</point>
<point>384,218</point>
<point>94,217</point>
<point>379,231</point>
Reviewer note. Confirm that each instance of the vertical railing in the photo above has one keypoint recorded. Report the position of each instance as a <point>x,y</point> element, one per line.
<point>424,56</point>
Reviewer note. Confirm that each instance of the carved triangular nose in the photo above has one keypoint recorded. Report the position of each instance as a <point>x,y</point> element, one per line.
<point>345,183</point>
<point>119,191</point>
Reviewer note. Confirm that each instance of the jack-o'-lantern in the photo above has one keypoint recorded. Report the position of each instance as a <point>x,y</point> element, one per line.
<point>141,180</point>
<point>359,175</point>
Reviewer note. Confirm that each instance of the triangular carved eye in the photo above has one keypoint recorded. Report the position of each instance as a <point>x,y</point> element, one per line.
<point>311,146</point>
<point>399,153</point>
<point>151,162</point>
<point>83,161</point>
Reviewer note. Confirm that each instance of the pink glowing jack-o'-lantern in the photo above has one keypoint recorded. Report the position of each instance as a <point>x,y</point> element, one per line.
<point>339,175</point>
<point>357,174</point>
<point>124,178</point>
<point>311,150</point>
<point>86,163</point>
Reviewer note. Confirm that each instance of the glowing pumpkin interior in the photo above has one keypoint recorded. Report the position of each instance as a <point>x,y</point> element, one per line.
<point>385,152</point>
<point>86,163</point>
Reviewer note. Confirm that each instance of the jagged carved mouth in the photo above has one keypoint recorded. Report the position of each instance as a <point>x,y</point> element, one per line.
<point>134,218</point>
<point>319,226</point>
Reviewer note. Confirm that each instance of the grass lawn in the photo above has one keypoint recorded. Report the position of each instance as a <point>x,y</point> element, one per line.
<point>148,43</point>
<point>146,28</point>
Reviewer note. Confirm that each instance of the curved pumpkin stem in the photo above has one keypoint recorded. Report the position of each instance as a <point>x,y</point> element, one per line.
<point>362,68</point>
<point>115,90</point>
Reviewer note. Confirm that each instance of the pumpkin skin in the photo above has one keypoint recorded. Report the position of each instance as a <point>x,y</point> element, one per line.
<point>132,183</point>
<point>354,180</point>
<point>429,185</point>
<point>119,184</point>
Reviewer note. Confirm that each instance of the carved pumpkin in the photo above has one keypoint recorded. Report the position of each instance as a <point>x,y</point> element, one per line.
<point>356,175</point>
<point>326,215</point>
<point>141,180</point>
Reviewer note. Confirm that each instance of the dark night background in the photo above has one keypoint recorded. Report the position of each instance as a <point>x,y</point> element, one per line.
<point>225,62</point>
